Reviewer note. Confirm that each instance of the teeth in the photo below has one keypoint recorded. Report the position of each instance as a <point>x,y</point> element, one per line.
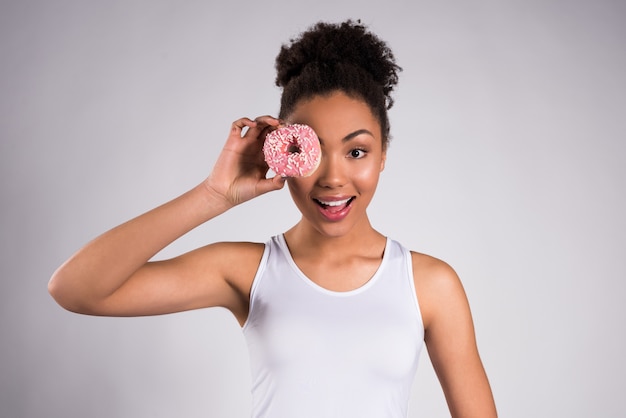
<point>334,202</point>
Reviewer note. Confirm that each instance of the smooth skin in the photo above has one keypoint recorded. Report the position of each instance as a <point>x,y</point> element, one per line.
<point>113,274</point>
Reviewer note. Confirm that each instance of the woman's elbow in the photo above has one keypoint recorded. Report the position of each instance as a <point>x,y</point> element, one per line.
<point>65,294</point>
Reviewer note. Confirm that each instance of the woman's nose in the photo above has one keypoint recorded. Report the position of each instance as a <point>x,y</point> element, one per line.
<point>331,172</point>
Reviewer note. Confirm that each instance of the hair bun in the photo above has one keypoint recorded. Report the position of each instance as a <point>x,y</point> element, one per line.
<point>329,46</point>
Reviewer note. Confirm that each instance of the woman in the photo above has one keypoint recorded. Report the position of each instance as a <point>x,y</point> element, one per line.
<point>330,308</point>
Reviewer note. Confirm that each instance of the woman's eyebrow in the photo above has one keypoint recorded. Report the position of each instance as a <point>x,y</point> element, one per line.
<point>357,133</point>
<point>352,135</point>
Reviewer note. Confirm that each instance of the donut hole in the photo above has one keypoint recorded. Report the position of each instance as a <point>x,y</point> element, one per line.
<point>294,148</point>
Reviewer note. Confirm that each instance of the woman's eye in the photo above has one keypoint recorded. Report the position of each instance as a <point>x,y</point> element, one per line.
<point>357,153</point>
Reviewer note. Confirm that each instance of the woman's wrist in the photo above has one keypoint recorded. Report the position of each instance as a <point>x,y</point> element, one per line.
<point>214,202</point>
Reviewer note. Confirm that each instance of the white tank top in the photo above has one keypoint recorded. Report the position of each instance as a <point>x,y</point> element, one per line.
<point>320,354</point>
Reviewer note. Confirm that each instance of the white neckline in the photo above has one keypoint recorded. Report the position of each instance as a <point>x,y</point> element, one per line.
<point>285,249</point>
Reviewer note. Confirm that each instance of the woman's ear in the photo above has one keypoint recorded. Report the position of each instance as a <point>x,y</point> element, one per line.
<point>382,161</point>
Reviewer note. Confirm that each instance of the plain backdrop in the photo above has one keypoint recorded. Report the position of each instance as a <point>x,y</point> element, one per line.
<point>507,161</point>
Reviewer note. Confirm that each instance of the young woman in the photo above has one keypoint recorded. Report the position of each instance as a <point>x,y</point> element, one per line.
<point>330,308</point>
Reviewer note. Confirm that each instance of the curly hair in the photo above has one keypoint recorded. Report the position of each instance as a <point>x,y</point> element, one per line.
<point>338,57</point>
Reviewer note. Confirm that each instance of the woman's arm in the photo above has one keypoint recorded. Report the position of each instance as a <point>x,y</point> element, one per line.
<point>112,274</point>
<point>450,339</point>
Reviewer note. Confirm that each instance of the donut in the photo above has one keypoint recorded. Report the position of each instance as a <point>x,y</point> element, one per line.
<point>292,151</point>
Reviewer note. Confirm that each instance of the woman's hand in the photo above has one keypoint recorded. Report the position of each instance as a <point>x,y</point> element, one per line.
<point>240,171</point>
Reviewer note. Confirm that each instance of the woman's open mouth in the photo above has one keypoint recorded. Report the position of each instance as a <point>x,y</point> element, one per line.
<point>333,209</point>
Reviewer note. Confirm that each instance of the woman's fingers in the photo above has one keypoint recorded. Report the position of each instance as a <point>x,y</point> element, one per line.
<point>241,126</point>
<point>264,124</point>
<point>268,120</point>
<point>247,136</point>
<point>271,184</point>
<point>253,130</point>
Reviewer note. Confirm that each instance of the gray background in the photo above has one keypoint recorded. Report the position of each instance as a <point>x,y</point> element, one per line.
<point>507,161</point>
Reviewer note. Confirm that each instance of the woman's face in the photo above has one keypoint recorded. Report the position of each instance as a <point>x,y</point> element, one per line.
<point>334,199</point>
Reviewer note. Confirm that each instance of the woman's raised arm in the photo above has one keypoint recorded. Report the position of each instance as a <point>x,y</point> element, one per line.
<point>112,274</point>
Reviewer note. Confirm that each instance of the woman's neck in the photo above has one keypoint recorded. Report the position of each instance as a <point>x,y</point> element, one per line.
<point>303,238</point>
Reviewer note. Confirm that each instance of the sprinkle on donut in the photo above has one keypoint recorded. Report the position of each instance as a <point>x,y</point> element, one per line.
<point>292,151</point>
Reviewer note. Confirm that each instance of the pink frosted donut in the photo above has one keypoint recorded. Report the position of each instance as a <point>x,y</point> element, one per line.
<point>292,151</point>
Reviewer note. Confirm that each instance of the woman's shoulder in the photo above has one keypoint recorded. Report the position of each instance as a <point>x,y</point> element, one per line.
<point>429,268</point>
<point>437,284</point>
<point>233,254</point>
<point>241,247</point>
<point>236,262</point>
